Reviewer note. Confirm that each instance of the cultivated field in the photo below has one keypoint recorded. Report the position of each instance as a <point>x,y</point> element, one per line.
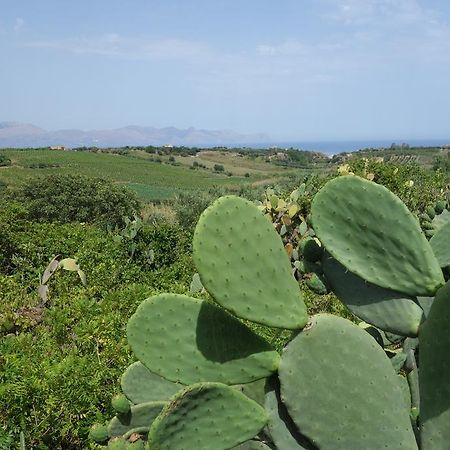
<point>151,178</point>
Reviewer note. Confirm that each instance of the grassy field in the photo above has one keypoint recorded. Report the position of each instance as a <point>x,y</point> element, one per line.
<point>151,180</point>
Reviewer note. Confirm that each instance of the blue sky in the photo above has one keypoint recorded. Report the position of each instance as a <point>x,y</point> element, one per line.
<point>297,70</point>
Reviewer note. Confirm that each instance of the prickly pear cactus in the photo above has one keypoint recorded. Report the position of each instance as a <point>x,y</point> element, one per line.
<point>186,340</point>
<point>211,408</point>
<point>203,374</point>
<point>291,219</point>
<point>251,282</point>
<point>435,216</point>
<point>353,395</point>
<point>383,245</point>
<point>434,374</point>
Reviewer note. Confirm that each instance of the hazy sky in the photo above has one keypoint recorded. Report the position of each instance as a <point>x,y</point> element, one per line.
<point>296,69</point>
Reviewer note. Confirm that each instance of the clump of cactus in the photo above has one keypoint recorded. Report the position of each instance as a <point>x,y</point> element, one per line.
<point>435,217</point>
<point>292,221</point>
<point>128,236</point>
<point>205,380</point>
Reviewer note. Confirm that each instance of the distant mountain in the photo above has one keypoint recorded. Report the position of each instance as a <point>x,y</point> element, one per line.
<point>15,134</point>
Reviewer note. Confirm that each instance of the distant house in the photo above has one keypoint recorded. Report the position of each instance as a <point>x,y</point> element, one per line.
<point>57,147</point>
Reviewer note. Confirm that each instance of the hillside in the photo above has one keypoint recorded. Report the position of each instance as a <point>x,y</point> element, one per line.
<point>152,176</point>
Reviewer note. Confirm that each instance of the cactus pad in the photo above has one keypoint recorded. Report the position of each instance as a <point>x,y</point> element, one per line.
<point>99,433</point>
<point>384,308</point>
<point>342,378</point>
<point>187,340</point>
<point>117,444</point>
<point>441,219</point>
<point>243,264</point>
<point>434,373</point>
<point>372,233</point>
<point>282,429</point>
<point>141,386</point>
<point>440,243</point>
<point>311,249</point>
<point>206,416</point>
<point>140,416</point>
<point>255,391</point>
<point>136,445</point>
<point>252,445</point>
<point>120,404</point>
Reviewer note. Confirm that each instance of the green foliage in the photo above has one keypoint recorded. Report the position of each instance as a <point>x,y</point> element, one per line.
<point>442,162</point>
<point>60,362</point>
<point>4,160</point>
<point>55,380</point>
<point>188,206</point>
<point>150,179</point>
<point>75,198</point>
<point>338,382</point>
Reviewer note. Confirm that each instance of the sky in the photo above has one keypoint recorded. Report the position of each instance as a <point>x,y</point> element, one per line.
<point>294,69</point>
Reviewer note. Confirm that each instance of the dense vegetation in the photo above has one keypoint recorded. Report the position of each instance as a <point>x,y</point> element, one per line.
<point>336,383</point>
<point>60,360</point>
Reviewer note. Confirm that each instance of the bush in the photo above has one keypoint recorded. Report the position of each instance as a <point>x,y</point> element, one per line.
<point>189,205</point>
<point>218,168</point>
<point>76,198</point>
<point>27,248</point>
<point>56,378</point>
<point>4,160</point>
<point>60,362</point>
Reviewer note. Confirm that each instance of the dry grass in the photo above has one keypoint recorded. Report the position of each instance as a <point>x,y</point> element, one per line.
<point>158,213</point>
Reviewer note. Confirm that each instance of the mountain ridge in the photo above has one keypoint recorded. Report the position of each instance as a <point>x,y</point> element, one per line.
<point>19,135</point>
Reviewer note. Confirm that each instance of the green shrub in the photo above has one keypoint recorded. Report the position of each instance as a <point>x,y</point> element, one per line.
<point>28,247</point>
<point>189,205</point>
<point>55,378</point>
<point>77,198</point>
<point>4,160</point>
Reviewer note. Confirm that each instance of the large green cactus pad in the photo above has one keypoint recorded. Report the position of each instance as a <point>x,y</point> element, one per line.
<point>341,390</point>
<point>372,233</point>
<point>140,416</point>
<point>434,373</point>
<point>187,340</point>
<point>282,429</point>
<point>142,386</point>
<point>441,219</point>
<point>252,445</point>
<point>243,264</point>
<point>386,309</point>
<point>440,243</point>
<point>255,391</point>
<point>206,416</point>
